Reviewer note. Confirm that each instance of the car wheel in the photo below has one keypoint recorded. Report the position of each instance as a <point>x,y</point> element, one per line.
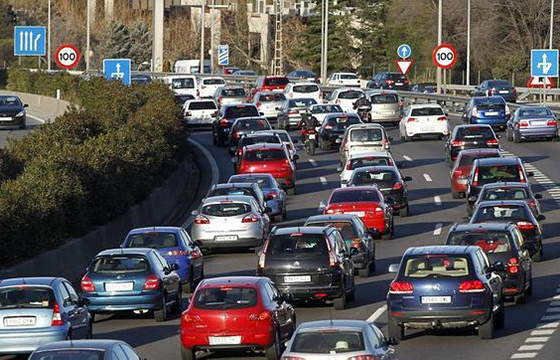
<point>538,256</point>
<point>187,354</point>
<point>190,286</point>
<point>292,191</point>
<point>340,303</point>
<point>404,212</point>
<point>509,137</point>
<point>177,307</point>
<point>486,330</point>
<point>395,330</point>
<point>520,298</point>
<point>529,290</point>
<point>352,295</point>
<point>161,314</point>
<point>273,352</point>
<point>455,194</point>
<point>364,272</point>
<point>501,317</point>
<point>516,138</point>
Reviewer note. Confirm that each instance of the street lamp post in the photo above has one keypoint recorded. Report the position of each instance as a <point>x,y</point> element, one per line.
<point>322,40</point>
<point>202,29</point>
<point>439,36</point>
<point>551,22</point>
<point>49,36</point>
<point>469,42</point>
<point>212,36</point>
<point>326,42</point>
<point>88,23</point>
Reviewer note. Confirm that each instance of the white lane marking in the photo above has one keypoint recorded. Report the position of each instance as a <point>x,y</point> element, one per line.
<point>322,205</point>
<point>538,339</point>
<point>323,180</point>
<point>548,325</point>
<point>437,230</point>
<point>313,162</point>
<point>530,347</point>
<point>407,158</point>
<point>542,332</point>
<point>437,200</point>
<point>523,355</point>
<point>37,118</point>
<point>427,177</point>
<point>551,317</point>
<point>553,310</point>
<point>377,313</point>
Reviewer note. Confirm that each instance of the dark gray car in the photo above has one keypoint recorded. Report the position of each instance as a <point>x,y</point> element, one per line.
<point>290,114</point>
<point>12,111</point>
<point>85,349</point>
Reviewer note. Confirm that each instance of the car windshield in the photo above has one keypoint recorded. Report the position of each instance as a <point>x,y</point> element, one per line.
<point>306,88</point>
<point>202,105</point>
<point>495,173</point>
<point>240,111</point>
<point>350,94</point>
<point>348,76</point>
<point>301,103</point>
<point>214,82</point>
<point>505,194</point>
<point>274,97</point>
<point>226,208</point>
<point>324,109</point>
<point>9,101</point>
<point>281,81</point>
<point>263,182</point>
<point>366,135</point>
<point>119,264</point>
<point>328,341</point>
<point>186,83</point>
<point>69,354</point>
<point>535,112</point>
<point>373,177</point>
<point>500,213</point>
<point>26,296</point>
<point>427,111</point>
<point>474,132</point>
<point>265,155</point>
<point>297,244</point>
<point>468,159</point>
<point>251,124</point>
<point>154,240</point>
<point>492,242</point>
<point>231,191</point>
<point>347,196</point>
<point>237,92</point>
<point>436,266</point>
<point>369,161</point>
<point>384,99</point>
<point>225,297</point>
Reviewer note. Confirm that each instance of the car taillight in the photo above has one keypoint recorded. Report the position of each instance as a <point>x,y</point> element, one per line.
<point>203,87</point>
<point>389,81</point>
<point>152,283</point>
<point>328,127</point>
<point>378,209</point>
<point>523,123</point>
<point>224,122</point>
<point>56,316</point>
<point>337,101</point>
<point>356,243</point>
<point>507,111</point>
<point>220,100</point>
<point>474,110</point>
<point>264,316</point>
<point>493,91</point>
<point>195,254</point>
<point>262,258</point>
<point>532,203</point>
<point>258,105</point>
<point>190,319</point>
<point>201,220</point>
<point>513,266</point>
<point>397,186</point>
<point>292,112</point>
<point>457,143</point>
<point>551,123</point>
<point>239,152</point>
<point>87,285</point>
<point>525,225</point>
<point>176,253</point>
<point>188,113</point>
<point>475,178</point>
<point>459,173</point>
<point>442,118</point>
<point>386,144</point>
<point>492,142</point>
<point>363,357</point>
<point>401,287</point>
<point>411,119</point>
<point>329,211</point>
<point>251,218</point>
<point>272,194</point>
<point>471,286</point>
<point>236,135</point>
<point>521,174</point>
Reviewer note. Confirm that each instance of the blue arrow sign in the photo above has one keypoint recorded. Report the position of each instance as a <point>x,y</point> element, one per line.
<point>223,55</point>
<point>30,40</point>
<point>404,51</point>
<point>117,69</point>
<point>544,63</point>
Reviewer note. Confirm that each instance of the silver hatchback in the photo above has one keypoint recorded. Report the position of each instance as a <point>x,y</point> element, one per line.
<point>230,221</point>
<point>385,106</point>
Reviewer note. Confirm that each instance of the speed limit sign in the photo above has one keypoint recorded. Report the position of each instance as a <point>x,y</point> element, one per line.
<point>67,56</point>
<point>444,56</point>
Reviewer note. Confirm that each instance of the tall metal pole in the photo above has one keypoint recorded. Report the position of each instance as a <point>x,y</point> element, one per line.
<point>439,36</point>
<point>49,37</point>
<point>202,29</point>
<point>551,22</point>
<point>157,47</point>
<point>212,37</point>
<point>323,41</point>
<point>468,42</point>
<point>88,21</point>
<point>326,40</point>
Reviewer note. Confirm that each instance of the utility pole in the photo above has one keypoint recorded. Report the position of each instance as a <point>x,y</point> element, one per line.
<point>202,30</point>
<point>157,47</point>
<point>212,36</point>
<point>323,79</point>
<point>49,37</point>
<point>326,40</point>
<point>439,36</point>
<point>551,22</point>
<point>88,21</point>
<point>469,42</point>
<point>278,39</point>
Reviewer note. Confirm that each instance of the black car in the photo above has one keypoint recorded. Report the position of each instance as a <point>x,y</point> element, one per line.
<point>258,137</point>
<point>309,263</point>
<point>502,88</point>
<point>245,125</point>
<point>502,242</point>
<point>491,170</point>
<point>425,88</point>
<point>470,137</point>
<point>445,287</point>
<point>333,128</point>
<point>389,181</point>
<point>356,235</point>
<point>389,80</point>
<point>519,213</point>
<point>12,111</point>
<point>140,79</point>
<point>511,191</point>
<point>225,119</point>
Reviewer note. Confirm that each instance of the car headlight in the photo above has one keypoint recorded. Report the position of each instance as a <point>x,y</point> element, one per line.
<point>21,113</point>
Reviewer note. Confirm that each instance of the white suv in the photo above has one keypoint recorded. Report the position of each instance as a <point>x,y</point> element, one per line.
<point>303,90</point>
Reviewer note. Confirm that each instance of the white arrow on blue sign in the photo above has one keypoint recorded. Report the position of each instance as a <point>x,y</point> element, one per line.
<point>117,69</point>
<point>544,63</point>
<point>223,55</point>
<point>30,40</point>
<point>404,51</point>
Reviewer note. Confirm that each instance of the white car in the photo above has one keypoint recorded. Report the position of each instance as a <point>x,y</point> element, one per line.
<point>181,84</point>
<point>268,101</point>
<point>200,112</point>
<point>303,90</point>
<point>363,138</point>
<point>320,111</point>
<point>207,86</point>
<point>356,161</point>
<point>344,79</point>
<point>423,120</point>
<point>230,94</point>
<point>346,97</point>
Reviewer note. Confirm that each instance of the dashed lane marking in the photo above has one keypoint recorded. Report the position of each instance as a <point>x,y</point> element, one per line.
<point>323,180</point>
<point>437,200</point>
<point>437,230</point>
<point>428,178</point>
<point>321,205</point>
<point>523,355</point>
<point>530,347</point>
<point>313,162</point>
<point>407,158</point>
<point>376,314</point>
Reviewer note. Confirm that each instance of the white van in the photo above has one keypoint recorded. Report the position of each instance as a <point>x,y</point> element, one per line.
<point>192,66</point>
<point>181,84</point>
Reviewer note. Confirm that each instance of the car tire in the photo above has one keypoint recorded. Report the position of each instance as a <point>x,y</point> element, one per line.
<point>340,303</point>
<point>455,194</point>
<point>178,306</point>
<point>404,212</point>
<point>520,298</point>
<point>509,137</point>
<point>516,138</point>
<point>273,352</point>
<point>395,330</point>
<point>161,314</point>
<point>364,273</point>
<point>501,317</point>
<point>529,290</point>
<point>187,354</point>
<point>291,191</point>
<point>191,285</point>
<point>486,330</point>
<point>538,256</point>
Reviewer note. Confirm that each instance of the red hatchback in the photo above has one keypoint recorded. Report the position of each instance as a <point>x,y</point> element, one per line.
<point>236,313</point>
<point>368,203</point>
<point>271,159</point>
<point>462,168</point>
<point>269,83</point>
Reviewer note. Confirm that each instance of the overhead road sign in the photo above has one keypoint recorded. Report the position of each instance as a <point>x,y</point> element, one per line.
<point>541,82</point>
<point>404,51</point>
<point>30,40</point>
<point>404,65</point>
<point>117,69</point>
<point>223,55</point>
<point>544,63</point>
<point>67,56</point>
<point>444,56</point>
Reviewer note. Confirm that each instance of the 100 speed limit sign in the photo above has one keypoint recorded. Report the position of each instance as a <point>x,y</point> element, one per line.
<point>444,56</point>
<point>67,56</point>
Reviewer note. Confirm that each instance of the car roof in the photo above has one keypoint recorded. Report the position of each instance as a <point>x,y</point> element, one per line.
<point>245,118</point>
<point>480,151</point>
<point>423,106</point>
<point>40,280</point>
<point>125,251</point>
<point>300,229</point>
<point>179,76</point>
<point>339,90</point>
<point>440,250</point>
<point>334,323</point>
<point>380,168</point>
<point>366,126</point>
<point>460,126</point>
<point>238,105</point>
<point>356,188</point>
<point>237,198</point>
<point>482,226</point>
<point>231,280</point>
<point>483,98</point>
<point>505,185</point>
<point>233,185</point>
<point>336,217</point>
<point>381,92</point>
<point>369,154</point>
<point>252,175</point>
<point>259,133</point>
<point>102,344</point>
<point>498,161</point>
<point>304,83</point>
<point>488,203</point>
<point>153,229</point>
<point>264,146</point>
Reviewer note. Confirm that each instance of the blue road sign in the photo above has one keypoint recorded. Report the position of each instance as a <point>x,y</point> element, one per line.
<point>544,63</point>
<point>404,51</point>
<point>117,69</point>
<point>30,40</point>
<point>223,55</point>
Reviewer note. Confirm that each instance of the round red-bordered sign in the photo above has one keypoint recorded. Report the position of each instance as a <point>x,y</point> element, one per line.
<point>444,56</point>
<point>67,56</point>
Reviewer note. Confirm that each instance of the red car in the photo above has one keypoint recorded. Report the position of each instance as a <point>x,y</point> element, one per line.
<point>272,159</point>
<point>236,312</point>
<point>268,83</point>
<point>368,203</point>
<point>462,168</point>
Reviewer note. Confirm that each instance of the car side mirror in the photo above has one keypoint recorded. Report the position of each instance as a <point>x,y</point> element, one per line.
<point>296,157</point>
<point>354,251</point>
<point>393,268</point>
<point>25,105</point>
<point>499,136</point>
<point>538,196</point>
<point>82,301</point>
<point>175,267</point>
<point>233,160</point>
<point>268,197</point>
<point>198,243</point>
<point>498,266</point>
<point>267,210</point>
<point>472,198</point>
<point>261,113</point>
<point>530,174</point>
<point>339,169</point>
<point>541,217</point>
<point>195,212</point>
<point>392,341</point>
<point>390,138</point>
<point>373,232</point>
<point>407,178</point>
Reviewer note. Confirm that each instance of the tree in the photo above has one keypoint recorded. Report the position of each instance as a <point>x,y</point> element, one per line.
<point>7,20</point>
<point>371,34</point>
<point>140,44</point>
<point>117,41</point>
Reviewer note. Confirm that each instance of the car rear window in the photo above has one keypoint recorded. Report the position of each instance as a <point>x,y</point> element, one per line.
<point>396,77</point>
<point>301,102</point>
<point>348,76</point>
<point>214,82</point>
<point>366,135</point>
<point>69,354</point>
<point>306,88</point>
<point>499,83</point>
<point>240,111</point>
<point>226,209</point>
<point>350,94</point>
<point>281,81</point>
<point>474,132</point>
<point>427,111</point>
<point>225,298</point>
<point>501,213</point>
<point>324,109</point>
<point>120,264</point>
<point>265,155</point>
<point>370,161</point>
<point>272,97</point>
<point>26,296</point>
<point>260,181</point>
<point>384,99</point>
<point>505,194</point>
<point>231,191</point>
<point>437,266</point>
<point>373,177</point>
<point>154,240</point>
<point>187,83</point>
<point>233,92</point>
<point>297,245</point>
<point>345,228</point>
<point>328,341</point>
<point>252,124</point>
<point>493,173</point>
<point>492,242</point>
<point>271,139</point>
<point>468,159</point>
<point>536,112</point>
<point>202,105</point>
<point>355,196</point>
<point>491,104</point>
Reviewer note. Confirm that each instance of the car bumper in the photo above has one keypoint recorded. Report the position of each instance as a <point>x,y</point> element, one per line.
<point>15,121</point>
<point>202,121</point>
<point>440,319</point>
<point>513,285</point>
<point>251,237</point>
<point>379,225</point>
<point>436,131</point>
<point>550,132</point>
<point>276,206</point>
<point>495,123</point>
<point>382,118</point>
<point>26,341</point>
<point>110,304</point>
<point>303,292</point>
<point>459,185</point>
<point>197,339</point>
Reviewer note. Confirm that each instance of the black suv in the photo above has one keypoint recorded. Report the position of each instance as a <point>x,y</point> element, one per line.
<point>356,235</point>
<point>492,170</point>
<point>309,263</point>
<point>502,88</point>
<point>225,119</point>
<point>470,137</point>
<point>510,191</point>
<point>389,80</point>
<point>333,128</point>
<point>502,242</point>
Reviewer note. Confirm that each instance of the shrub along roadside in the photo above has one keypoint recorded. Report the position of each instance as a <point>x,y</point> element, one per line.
<point>87,167</point>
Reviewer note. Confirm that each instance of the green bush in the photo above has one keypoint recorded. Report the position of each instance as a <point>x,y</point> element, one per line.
<point>88,166</point>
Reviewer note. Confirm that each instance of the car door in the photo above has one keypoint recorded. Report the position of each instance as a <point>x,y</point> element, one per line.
<point>467,113</point>
<point>270,300</point>
<point>82,323</point>
<point>73,316</point>
<point>197,260</point>
<point>169,278</point>
<point>285,312</point>
<point>494,280</point>
<point>388,353</point>
<point>523,254</point>
<point>342,252</point>
<point>367,239</point>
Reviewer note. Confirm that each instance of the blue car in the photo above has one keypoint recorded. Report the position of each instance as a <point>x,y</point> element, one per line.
<point>270,189</point>
<point>491,110</point>
<point>439,287</point>
<point>138,280</point>
<point>176,246</point>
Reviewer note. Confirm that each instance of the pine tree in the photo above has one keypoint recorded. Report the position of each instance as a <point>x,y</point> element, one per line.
<point>117,43</point>
<point>7,20</point>
<point>371,34</point>
<point>140,44</point>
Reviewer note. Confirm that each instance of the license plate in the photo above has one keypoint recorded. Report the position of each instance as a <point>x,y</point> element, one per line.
<point>398,83</point>
<point>224,340</point>
<point>504,92</point>
<point>357,213</point>
<point>297,279</point>
<point>119,286</point>
<point>20,321</point>
<point>312,136</point>
<point>538,123</point>
<point>387,113</point>
<point>436,299</point>
<point>491,113</point>
<point>427,129</point>
<point>5,119</point>
<point>226,238</point>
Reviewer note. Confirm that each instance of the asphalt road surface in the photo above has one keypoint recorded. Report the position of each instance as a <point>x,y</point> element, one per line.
<point>33,121</point>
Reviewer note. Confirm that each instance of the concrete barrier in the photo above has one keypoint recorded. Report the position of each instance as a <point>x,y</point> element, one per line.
<point>45,107</point>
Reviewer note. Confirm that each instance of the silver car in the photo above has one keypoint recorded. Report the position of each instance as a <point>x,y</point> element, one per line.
<point>230,221</point>
<point>339,340</point>
<point>85,349</point>
<point>230,94</point>
<point>268,101</point>
<point>363,138</point>
<point>532,122</point>
<point>36,311</point>
<point>385,106</point>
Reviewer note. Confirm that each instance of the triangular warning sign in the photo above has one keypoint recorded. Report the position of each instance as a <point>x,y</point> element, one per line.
<point>540,82</point>
<point>404,65</point>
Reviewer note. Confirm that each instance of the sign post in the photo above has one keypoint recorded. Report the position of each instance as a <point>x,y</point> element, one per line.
<point>117,69</point>
<point>544,63</point>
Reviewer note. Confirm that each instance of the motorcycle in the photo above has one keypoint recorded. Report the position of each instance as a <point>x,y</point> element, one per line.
<point>364,112</point>
<point>309,138</point>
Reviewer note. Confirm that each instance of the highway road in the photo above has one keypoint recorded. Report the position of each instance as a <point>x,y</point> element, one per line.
<point>33,120</point>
